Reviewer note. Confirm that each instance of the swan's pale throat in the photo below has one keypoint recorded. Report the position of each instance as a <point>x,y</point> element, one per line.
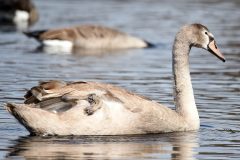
<point>183,91</point>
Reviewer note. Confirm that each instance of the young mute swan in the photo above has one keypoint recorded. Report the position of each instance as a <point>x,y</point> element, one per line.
<point>89,108</point>
<point>85,37</point>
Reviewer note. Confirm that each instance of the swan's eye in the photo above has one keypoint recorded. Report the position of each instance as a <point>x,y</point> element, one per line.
<point>206,33</point>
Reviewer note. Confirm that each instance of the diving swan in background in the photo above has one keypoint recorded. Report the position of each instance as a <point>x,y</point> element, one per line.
<point>88,37</point>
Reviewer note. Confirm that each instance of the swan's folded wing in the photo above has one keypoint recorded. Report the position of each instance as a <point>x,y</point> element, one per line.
<point>58,96</point>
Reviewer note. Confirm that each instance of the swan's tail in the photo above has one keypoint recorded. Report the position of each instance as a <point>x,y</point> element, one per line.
<point>150,45</point>
<point>13,109</point>
<point>33,119</point>
<point>34,34</point>
<point>18,111</point>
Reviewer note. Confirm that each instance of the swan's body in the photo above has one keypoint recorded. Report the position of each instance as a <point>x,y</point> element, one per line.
<point>86,37</point>
<point>88,108</point>
<point>21,13</point>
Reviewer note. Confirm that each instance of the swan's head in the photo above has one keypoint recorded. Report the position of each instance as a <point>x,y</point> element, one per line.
<point>199,36</point>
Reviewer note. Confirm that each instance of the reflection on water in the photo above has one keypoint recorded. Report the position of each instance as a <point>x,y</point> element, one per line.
<point>144,71</point>
<point>172,146</point>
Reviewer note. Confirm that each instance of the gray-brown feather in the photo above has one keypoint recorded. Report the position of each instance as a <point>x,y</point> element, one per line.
<point>59,96</point>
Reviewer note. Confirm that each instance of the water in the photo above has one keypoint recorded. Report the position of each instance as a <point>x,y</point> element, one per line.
<point>147,72</point>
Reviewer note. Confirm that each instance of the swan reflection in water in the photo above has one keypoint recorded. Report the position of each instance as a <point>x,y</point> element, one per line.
<point>178,146</point>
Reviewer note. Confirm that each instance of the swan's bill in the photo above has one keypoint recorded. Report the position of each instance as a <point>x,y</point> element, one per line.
<point>212,47</point>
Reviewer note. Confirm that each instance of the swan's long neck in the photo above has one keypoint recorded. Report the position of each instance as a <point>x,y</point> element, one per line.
<point>183,91</point>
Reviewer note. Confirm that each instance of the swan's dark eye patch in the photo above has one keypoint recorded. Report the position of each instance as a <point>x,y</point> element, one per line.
<point>206,33</point>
